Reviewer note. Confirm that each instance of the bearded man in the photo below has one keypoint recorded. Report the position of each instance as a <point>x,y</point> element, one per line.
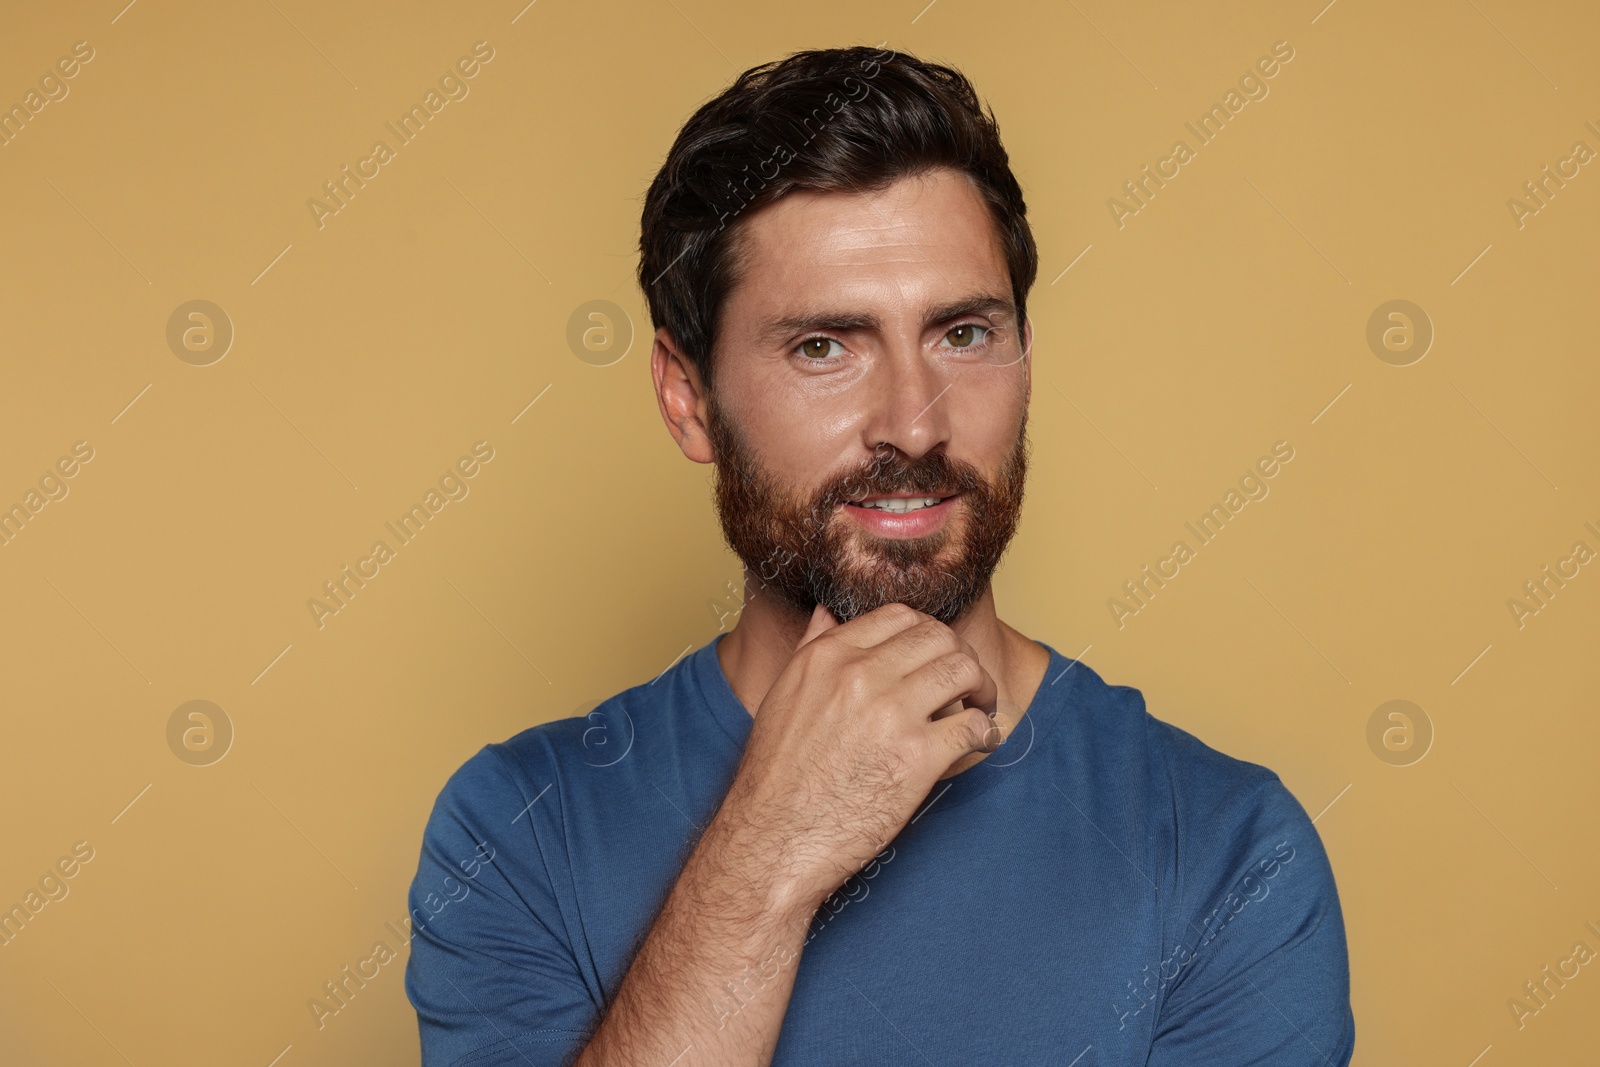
<point>872,824</point>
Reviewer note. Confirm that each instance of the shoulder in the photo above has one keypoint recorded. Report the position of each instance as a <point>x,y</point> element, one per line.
<point>1249,900</point>
<point>1209,819</point>
<point>493,790</point>
<point>548,788</point>
<point>1210,785</point>
<point>1229,819</point>
<point>1238,835</point>
<point>1180,773</point>
<point>537,755</point>
<point>1230,815</point>
<point>1131,745</point>
<point>477,809</point>
<point>612,735</point>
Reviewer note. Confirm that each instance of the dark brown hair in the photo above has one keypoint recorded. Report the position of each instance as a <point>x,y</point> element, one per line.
<point>836,119</point>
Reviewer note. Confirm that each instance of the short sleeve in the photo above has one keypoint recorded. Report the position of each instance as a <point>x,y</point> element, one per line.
<point>1255,968</point>
<point>492,974</point>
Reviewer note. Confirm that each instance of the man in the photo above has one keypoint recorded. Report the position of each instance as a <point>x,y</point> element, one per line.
<point>872,824</point>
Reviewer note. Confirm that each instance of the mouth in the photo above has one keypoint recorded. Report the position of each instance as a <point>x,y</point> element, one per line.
<point>901,515</point>
<point>901,503</point>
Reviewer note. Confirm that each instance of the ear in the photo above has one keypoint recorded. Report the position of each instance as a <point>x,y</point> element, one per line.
<point>681,397</point>
<point>1027,358</point>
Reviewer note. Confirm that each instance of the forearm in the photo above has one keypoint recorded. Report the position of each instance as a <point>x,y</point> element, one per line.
<point>711,982</point>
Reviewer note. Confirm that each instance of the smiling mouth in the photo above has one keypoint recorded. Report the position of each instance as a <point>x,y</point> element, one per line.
<point>899,505</point>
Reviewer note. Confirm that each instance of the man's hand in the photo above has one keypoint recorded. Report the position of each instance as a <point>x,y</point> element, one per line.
<point>858,727</point>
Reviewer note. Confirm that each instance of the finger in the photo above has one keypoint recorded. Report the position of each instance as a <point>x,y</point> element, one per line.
<point>916,646</point>
<point>974,730</point>
<point>879,624</point>
<point>953,676</point>
<point>822,621</point>
<point>956,706</point>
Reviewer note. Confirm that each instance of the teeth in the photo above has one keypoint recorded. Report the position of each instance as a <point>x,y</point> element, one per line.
<point>900,506</point>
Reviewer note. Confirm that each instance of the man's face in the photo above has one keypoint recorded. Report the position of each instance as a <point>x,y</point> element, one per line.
<point>869,349</point>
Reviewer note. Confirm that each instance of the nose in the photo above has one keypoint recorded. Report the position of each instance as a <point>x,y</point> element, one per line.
<point>907,402</point>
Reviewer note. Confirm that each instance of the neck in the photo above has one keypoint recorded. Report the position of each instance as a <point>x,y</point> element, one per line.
<point>764,639</point>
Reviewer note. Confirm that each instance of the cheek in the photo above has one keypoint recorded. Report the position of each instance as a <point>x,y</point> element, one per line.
<point>814,454</point>
<point>801,439</point>
<point>986,412</point>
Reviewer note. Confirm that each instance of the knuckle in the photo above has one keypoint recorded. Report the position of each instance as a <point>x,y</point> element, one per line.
<point>853,681</point>
<point>899,613</point>
<point>981,733</point>
<point>933,636</point>
<point>828,653</point>
<point>962,740</point>
<point>958,669</point>
<point>826,643</point>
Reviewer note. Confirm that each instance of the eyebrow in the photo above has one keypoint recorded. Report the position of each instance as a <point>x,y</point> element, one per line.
<point>786,326</point>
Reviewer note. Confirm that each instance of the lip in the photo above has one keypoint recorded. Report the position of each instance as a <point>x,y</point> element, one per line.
<point>918,523</point>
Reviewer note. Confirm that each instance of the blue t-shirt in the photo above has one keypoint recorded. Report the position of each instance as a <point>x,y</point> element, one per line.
<point>1102,890</point>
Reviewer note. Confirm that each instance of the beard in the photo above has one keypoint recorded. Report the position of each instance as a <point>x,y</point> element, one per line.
<point>803,548</point>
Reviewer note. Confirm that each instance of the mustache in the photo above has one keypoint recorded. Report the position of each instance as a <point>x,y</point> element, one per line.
<point>933,473</point>
<point>798,547</point>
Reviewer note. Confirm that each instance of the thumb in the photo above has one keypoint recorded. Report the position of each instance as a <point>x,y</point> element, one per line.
<point>822,621</point>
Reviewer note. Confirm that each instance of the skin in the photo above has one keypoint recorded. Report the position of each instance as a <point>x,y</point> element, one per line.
<point>855,721</point>
<point>923,242</point>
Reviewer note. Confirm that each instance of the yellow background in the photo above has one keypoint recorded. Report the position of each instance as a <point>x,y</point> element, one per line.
<point>370,353</point>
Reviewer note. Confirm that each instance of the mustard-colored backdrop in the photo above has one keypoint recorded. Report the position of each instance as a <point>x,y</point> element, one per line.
<point>189,475</point>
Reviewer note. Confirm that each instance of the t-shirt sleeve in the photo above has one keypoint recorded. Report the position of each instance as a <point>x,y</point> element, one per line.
<point>1255,966</point>
<point>492,973</point>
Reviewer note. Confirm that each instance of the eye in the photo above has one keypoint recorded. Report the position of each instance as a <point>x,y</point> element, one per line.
<point>816,348</point>
<point>968,335</point>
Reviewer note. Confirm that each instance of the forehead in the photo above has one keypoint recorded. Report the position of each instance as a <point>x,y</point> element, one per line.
<point>920,239</point>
